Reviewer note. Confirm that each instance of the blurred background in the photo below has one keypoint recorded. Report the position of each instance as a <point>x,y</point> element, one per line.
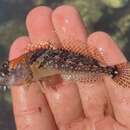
<point>111,16</point>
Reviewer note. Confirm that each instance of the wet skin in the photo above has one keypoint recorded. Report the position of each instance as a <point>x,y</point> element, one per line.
<point>100,106</point>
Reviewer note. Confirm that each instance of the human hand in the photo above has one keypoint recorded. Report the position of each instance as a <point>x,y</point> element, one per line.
<point>71,107</point>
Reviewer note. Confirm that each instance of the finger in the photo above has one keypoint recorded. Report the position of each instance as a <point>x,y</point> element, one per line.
<point>65,102</point>
<point>67,22</point>
<point>41,29</point>
<point>119,96</point>
<point>39,26</point>
<point>72,26</point>
<point>31,110</point>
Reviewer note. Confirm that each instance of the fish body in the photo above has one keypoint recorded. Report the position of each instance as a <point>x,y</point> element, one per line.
<point>77,64</point>
<point>69,65</point>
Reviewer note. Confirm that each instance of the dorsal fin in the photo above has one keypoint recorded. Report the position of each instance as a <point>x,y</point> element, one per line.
<point>44,44</point>
<point>72,45</point>
<point>83,48</point>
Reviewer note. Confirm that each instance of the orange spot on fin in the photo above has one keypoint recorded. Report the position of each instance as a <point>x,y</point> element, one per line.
<point>43,44</point>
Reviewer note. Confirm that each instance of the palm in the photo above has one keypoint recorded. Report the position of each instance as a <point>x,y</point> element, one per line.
<point>73,106</point>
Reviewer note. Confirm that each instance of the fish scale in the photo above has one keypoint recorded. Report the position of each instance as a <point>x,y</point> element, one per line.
<point>68,63</point>
<point>77,63</point>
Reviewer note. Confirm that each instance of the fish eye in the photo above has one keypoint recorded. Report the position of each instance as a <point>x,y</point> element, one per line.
<point>2,74</point>
<point>5,65</point>
<point>4,69</point>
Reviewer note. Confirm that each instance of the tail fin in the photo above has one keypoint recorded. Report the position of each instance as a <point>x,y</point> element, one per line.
<point>123,76</point>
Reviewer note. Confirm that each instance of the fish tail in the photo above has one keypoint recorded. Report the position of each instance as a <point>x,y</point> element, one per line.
<point>122,78</point>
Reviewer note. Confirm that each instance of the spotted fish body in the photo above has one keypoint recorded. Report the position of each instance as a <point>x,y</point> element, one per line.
<point>77,63</point>
<point>69,64</point>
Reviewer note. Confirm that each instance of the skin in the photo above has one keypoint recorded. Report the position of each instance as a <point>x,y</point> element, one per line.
<point>81,106</point>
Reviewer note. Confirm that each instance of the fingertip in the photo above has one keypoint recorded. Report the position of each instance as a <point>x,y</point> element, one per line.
<point>66,8</point>
<point>18,47</point>
<point>35,13</point>
<point>104,43</point>
<point>39,25</point>
<point>67,21</point>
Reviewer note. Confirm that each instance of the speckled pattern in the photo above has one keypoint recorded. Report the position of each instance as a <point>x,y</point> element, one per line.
<point>44,62</point>
<point>4,73</point>
<point>70,63</point>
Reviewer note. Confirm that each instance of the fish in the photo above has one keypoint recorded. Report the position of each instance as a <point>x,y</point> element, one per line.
<point>75,61</point>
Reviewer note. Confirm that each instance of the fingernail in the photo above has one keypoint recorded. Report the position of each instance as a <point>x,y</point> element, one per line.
<point>39,25</point>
